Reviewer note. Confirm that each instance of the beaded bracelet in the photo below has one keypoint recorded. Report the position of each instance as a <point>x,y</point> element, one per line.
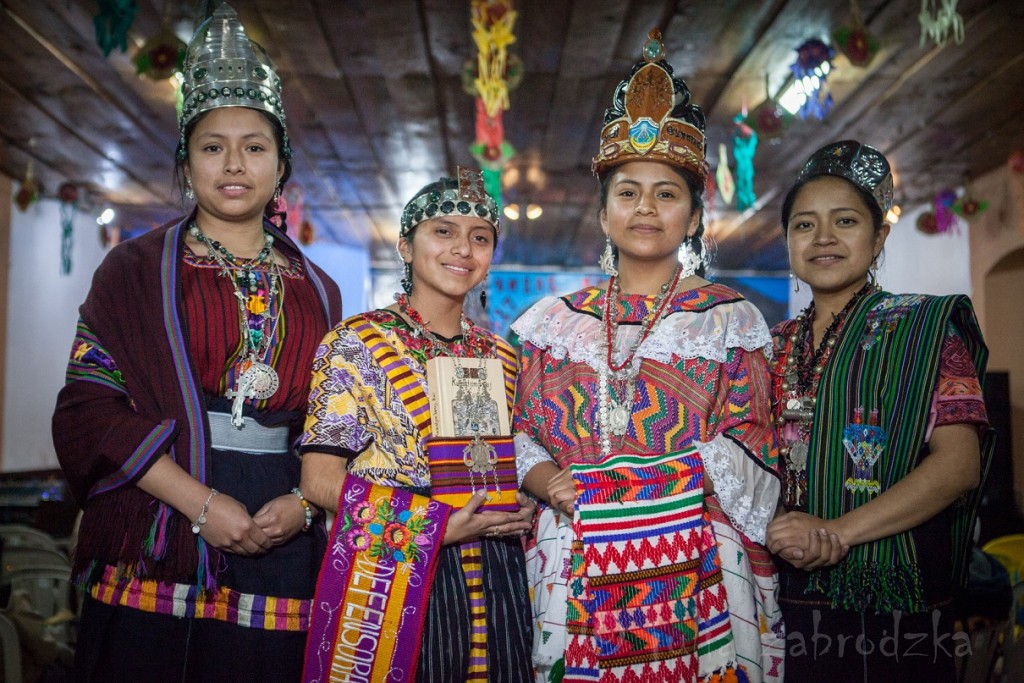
<point>306,507</point>
<point>201,520</point>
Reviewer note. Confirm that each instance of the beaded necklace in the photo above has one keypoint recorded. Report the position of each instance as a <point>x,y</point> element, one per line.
<point>254,379</point>
<point>800,386</point>
<point>613,416</point>
<point>420,329</point>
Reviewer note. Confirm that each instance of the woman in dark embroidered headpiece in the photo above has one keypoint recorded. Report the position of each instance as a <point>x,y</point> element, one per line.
<point>419,582</point>
<point>187,382</point>
<point>878,398</point>
<point>653,390</point>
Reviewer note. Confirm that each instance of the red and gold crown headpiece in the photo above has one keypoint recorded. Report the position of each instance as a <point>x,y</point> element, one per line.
<point>651,118</point>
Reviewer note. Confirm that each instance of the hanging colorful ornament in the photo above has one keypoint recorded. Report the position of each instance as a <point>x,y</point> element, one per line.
<point>945,220</point>
<point>292,198</point>
<point>161,56</point>
<point>744,146</point>
<point>112,22</point>
<point>769,119</point>
<point>1015,162</point>
<point>926,223</point>
<point>811,69</point>
<point>968,207</point>
<point>29,191</point>
<point>940,21</point>
<point>491,150</point>
<point>68,196</point>
<point>723,176</point>
<point>853,40</point>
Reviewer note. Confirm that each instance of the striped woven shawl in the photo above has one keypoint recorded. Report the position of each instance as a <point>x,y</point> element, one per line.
<point>886,359</point>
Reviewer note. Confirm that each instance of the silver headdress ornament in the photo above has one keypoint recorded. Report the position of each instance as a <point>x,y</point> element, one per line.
<point>223,68</point>
<point>461,196</point>
<point>862,165</point>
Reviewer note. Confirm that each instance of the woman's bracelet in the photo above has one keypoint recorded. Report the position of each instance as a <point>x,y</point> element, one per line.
<point>201,520</point>
<point>306,507</point>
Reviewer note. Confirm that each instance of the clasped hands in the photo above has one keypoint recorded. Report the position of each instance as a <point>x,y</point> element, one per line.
<point>805,541</point>
<point>229,526</point>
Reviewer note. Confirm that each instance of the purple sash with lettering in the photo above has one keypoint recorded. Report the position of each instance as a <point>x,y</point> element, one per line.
<point>371,596</point>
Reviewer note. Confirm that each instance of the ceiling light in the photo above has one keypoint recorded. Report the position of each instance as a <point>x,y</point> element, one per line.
<point>512,212</point>
<point>533,211</point>
<point>106,217</point>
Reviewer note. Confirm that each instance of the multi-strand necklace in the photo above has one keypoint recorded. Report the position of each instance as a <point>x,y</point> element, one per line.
<point>803,369</point>
<point>254,378</point>
<point>613,415</point>
<point>475,413</point>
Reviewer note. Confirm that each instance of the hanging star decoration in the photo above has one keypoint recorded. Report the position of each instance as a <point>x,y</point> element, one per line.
<point>853,39</point>
<point>811,68</point>
<point>494,74</point>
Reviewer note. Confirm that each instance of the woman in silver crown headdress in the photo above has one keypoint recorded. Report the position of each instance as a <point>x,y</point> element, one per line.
<point>642,423</point>
<point>187,384</point>
<point>878,401</point>
<point>452,589</point>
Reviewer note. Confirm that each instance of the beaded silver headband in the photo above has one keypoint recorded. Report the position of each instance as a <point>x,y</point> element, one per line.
<point>223,68</point>
<point>862,165</point>
<point>464,196</point>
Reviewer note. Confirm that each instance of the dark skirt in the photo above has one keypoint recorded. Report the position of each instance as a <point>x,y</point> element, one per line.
<point>125,644</point>
<point>444,655</point>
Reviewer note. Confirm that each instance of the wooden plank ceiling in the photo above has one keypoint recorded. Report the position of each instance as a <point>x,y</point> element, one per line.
<point>376,106</point>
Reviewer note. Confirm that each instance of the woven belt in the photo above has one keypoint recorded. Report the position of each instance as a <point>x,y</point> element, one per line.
<point>251,437</point>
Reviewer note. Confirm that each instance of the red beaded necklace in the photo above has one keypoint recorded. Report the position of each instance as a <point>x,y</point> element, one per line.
<point>650,320</point>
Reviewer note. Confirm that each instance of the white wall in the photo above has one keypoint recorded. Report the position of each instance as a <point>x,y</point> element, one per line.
<point>914,262</point>
<point>43,311</point>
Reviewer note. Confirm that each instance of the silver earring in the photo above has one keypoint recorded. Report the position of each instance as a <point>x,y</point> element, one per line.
<point>796,282</point>
<point>189,191</point>
<point>277,195</point>
<point>689,260</point>
<point>607,261</point>
<point>407,278</point>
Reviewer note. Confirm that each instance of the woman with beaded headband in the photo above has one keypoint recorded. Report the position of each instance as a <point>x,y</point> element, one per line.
<point>652,389</point>
<point>450,581</point>
<point>880,412</point>
<point>187,383</point>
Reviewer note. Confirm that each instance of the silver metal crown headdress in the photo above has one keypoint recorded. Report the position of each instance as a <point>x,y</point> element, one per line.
<point>223,68</point>
<point>463,195</point>
<point>861,164</point>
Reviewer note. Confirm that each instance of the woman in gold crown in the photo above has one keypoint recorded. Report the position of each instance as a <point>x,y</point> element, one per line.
<point>642,423</point>
<point>187,382</point>
<point>878,399</point>
<point>445,574</point>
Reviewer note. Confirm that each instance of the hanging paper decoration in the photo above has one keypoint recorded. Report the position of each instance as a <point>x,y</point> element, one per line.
<point>940,21</point>
<point>811,69</point>
<point>968,207</point>
<point>306,233</point>
<point>744,145</point>
<point>853,40</point>
<point>926,223</point>
<point>161,56</point>
<point>945,220</point>
<point>29,191</point>
<point>68,196</point>
<point>769,119</point>
<point>112,22</point>
<point>496,73</point>
<point>723,176</point>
